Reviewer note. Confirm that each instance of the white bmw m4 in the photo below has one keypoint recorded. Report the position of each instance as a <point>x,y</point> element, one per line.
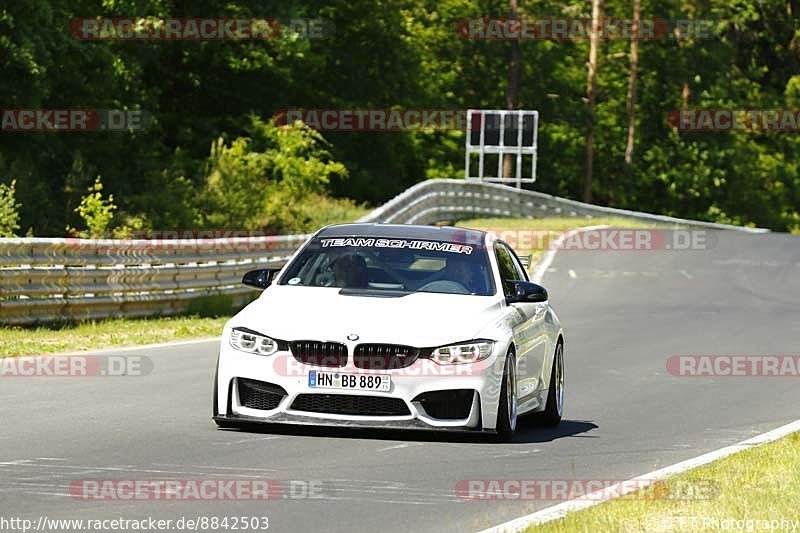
<point>394,326</point>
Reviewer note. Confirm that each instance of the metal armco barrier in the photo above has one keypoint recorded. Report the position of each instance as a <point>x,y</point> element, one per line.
<point>76,279</point>
<point>443,200</point>
<point>43,279</point>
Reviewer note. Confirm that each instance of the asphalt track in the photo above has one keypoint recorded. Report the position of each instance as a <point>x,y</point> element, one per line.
<point>625,313</point>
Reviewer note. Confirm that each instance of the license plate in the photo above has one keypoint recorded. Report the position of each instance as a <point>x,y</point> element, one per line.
<point>342,380</point>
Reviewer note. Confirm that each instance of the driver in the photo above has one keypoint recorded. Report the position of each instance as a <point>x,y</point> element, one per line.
<point>461,272</point>
<point>350,271</point>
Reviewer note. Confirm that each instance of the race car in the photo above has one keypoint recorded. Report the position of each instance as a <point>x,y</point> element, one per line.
<point>394,326</point>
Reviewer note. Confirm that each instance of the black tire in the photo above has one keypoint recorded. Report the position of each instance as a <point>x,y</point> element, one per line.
<point>554,410</point>
<point>506,419</point>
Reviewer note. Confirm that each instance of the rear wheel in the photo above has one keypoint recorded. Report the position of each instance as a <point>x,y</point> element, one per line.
<point>554,410</point>
<point>507,403</point>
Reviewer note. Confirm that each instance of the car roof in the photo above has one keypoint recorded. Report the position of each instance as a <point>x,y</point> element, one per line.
<point>406,231</point>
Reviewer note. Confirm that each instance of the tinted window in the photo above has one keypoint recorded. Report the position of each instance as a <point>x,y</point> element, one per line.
<point>406,265</point>
<point>508,272</point>
<point>522,275</point>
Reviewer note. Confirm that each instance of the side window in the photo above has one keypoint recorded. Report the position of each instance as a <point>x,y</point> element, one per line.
<point>508,272</point>
<point>522,275</point>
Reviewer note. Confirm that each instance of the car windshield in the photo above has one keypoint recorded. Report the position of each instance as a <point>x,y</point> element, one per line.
<point>383,264</point>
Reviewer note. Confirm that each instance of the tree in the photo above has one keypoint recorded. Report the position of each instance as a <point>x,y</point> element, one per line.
<point>634,60</point>
<point>597,7</point>
<point>512,89</point>
<point>254,182</point>
<point>405,54</point>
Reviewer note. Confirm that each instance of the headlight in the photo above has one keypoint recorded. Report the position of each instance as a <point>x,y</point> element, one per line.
<point>247,340</point>
<point>468,352</point>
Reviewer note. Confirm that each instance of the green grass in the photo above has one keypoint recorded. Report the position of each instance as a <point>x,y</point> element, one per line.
<point>553,226</point>
<point>112,333</point>
<point>761,483</point>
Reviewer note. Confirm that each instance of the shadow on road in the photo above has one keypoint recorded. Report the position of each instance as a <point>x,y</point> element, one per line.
<point>527,432</point>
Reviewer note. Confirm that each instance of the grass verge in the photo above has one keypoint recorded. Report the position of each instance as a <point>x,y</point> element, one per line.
<point>103,334</point>
<point>742,492</point>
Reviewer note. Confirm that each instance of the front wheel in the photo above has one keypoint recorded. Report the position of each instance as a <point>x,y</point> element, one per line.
<point>554,410</point>
<point>507,403</point>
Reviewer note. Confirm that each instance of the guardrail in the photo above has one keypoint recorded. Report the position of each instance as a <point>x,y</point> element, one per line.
<point>44,280</point>
<point>434,201</point>
<point>75,279</point>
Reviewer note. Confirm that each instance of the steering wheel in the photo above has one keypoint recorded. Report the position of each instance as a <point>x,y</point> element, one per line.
<point>324,279</point>
<point>387,268</point>
<point>445,286</point>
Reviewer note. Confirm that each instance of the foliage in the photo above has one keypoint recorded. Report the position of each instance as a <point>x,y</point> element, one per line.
<point>315,211</point>
<point>9,210</point>
<point>96,212</point>
<point>265,180</point>
<point>391,54</point>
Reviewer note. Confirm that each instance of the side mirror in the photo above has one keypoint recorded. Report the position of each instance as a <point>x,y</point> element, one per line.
<point>259,279</point>
<point>527,292</point>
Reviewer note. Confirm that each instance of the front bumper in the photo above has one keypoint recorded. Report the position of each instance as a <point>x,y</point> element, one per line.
<point>299,420</point>
<point>408,385</point>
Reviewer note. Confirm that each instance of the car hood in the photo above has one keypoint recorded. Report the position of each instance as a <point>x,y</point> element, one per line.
<point>325,314</point>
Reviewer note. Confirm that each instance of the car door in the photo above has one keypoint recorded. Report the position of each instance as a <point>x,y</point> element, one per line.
<point>529,334</point>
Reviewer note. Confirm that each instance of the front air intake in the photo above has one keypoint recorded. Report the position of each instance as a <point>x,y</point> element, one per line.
<point>259,395</point>
<point>447,404</point>
<point>345,404</point>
